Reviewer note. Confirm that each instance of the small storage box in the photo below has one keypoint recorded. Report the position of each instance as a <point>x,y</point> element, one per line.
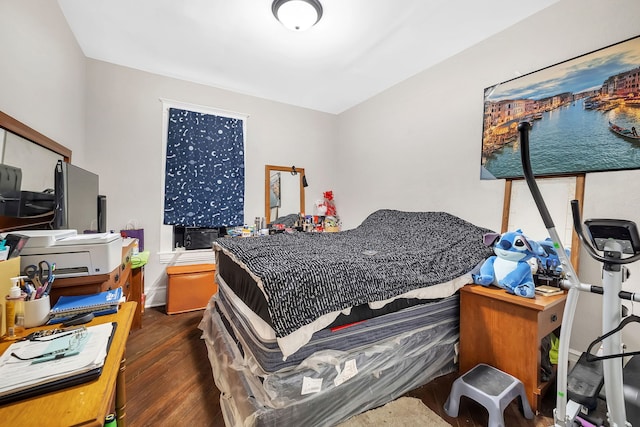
<point>189,287</point>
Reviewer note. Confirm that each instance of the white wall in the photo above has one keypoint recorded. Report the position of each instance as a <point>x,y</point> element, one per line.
<point>417,145</point>
<point>42,71</point>
<point>124,146</point>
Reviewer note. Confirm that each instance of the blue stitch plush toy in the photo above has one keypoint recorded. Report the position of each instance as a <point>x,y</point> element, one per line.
<point>509,268</point>
<point>550,262</point>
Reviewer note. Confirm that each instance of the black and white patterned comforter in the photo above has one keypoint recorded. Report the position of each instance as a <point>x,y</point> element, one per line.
<point>307,275</point>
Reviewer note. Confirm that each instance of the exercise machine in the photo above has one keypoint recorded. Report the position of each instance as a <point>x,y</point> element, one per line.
<point>619,242</point>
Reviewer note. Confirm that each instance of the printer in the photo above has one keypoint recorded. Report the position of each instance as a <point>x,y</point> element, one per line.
<point>74,254</point>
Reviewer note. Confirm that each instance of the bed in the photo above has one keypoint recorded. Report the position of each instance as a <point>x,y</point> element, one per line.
<point>313,328</point>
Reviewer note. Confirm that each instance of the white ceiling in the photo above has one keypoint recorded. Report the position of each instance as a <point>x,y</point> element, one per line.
<point>358,49</point>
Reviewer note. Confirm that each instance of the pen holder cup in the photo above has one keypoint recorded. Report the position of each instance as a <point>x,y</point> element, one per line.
<point>36,312</point>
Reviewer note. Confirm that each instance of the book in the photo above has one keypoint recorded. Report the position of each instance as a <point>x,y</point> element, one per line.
<point>61,318</point>
<point>32,367</point>
<point>546,290</point>
<point>105,302</point>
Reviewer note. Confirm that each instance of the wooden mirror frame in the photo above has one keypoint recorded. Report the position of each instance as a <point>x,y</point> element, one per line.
<point>16,127</point>
<point>267,186</point>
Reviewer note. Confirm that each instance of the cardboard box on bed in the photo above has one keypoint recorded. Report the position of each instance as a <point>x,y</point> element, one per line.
<point>189,287</point>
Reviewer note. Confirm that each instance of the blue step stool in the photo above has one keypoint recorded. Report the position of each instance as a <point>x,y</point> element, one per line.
<point>491,388</point>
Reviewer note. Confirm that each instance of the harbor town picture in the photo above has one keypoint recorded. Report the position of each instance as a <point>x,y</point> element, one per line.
<point>584,112</point>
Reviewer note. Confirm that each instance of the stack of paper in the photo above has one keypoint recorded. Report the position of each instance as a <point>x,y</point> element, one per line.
<point>547,290</point>
<point>29,368</point>
<point>99,304</point>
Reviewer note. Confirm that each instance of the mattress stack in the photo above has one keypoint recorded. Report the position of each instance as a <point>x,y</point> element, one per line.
<point>340,372</point>
<point>310,329</point>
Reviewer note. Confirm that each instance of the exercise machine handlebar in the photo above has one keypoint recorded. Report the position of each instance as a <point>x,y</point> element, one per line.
<point>523,128</point>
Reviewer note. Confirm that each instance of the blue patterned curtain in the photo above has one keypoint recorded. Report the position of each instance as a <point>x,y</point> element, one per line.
<point>204,175</point>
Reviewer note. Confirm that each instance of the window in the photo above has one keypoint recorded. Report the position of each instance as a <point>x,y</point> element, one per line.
<point>204,167</point>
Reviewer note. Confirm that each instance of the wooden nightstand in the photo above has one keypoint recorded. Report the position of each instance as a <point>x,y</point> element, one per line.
<point>505,331</point>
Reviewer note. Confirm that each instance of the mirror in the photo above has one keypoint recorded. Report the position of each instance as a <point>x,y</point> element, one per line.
<point>283,191</point>
<point>18,128</point>
<point>36,155</point>
<point>29,150</point>
<point>36,162</point>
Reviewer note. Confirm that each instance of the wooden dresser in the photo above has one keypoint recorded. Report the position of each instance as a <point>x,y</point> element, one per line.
<point>505,331</point>
<point>119,277</point>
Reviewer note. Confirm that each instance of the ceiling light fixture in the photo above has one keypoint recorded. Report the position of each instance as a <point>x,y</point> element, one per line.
<point>297,15</point>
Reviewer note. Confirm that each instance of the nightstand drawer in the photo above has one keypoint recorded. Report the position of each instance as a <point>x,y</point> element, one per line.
<point>550,319</point>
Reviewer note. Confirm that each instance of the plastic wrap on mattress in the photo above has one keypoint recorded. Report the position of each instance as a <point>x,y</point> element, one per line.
<point>329,387</point>
<point>264,356</point>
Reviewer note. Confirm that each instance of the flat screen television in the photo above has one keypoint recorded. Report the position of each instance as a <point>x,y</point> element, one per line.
<point>76,198</point>
<point>585,116</point>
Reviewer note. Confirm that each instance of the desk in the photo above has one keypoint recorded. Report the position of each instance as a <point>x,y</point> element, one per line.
<point>86,404</point>
<point>505,331</point>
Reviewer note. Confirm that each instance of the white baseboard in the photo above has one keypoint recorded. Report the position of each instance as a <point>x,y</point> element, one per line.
<point>574,355</point>
<point>156,297</point>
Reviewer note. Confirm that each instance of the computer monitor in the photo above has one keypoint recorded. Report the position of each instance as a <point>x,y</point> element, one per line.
<point>76,198</point>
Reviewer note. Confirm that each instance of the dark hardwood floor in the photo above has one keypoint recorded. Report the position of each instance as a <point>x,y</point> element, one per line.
<point>169,381</point>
